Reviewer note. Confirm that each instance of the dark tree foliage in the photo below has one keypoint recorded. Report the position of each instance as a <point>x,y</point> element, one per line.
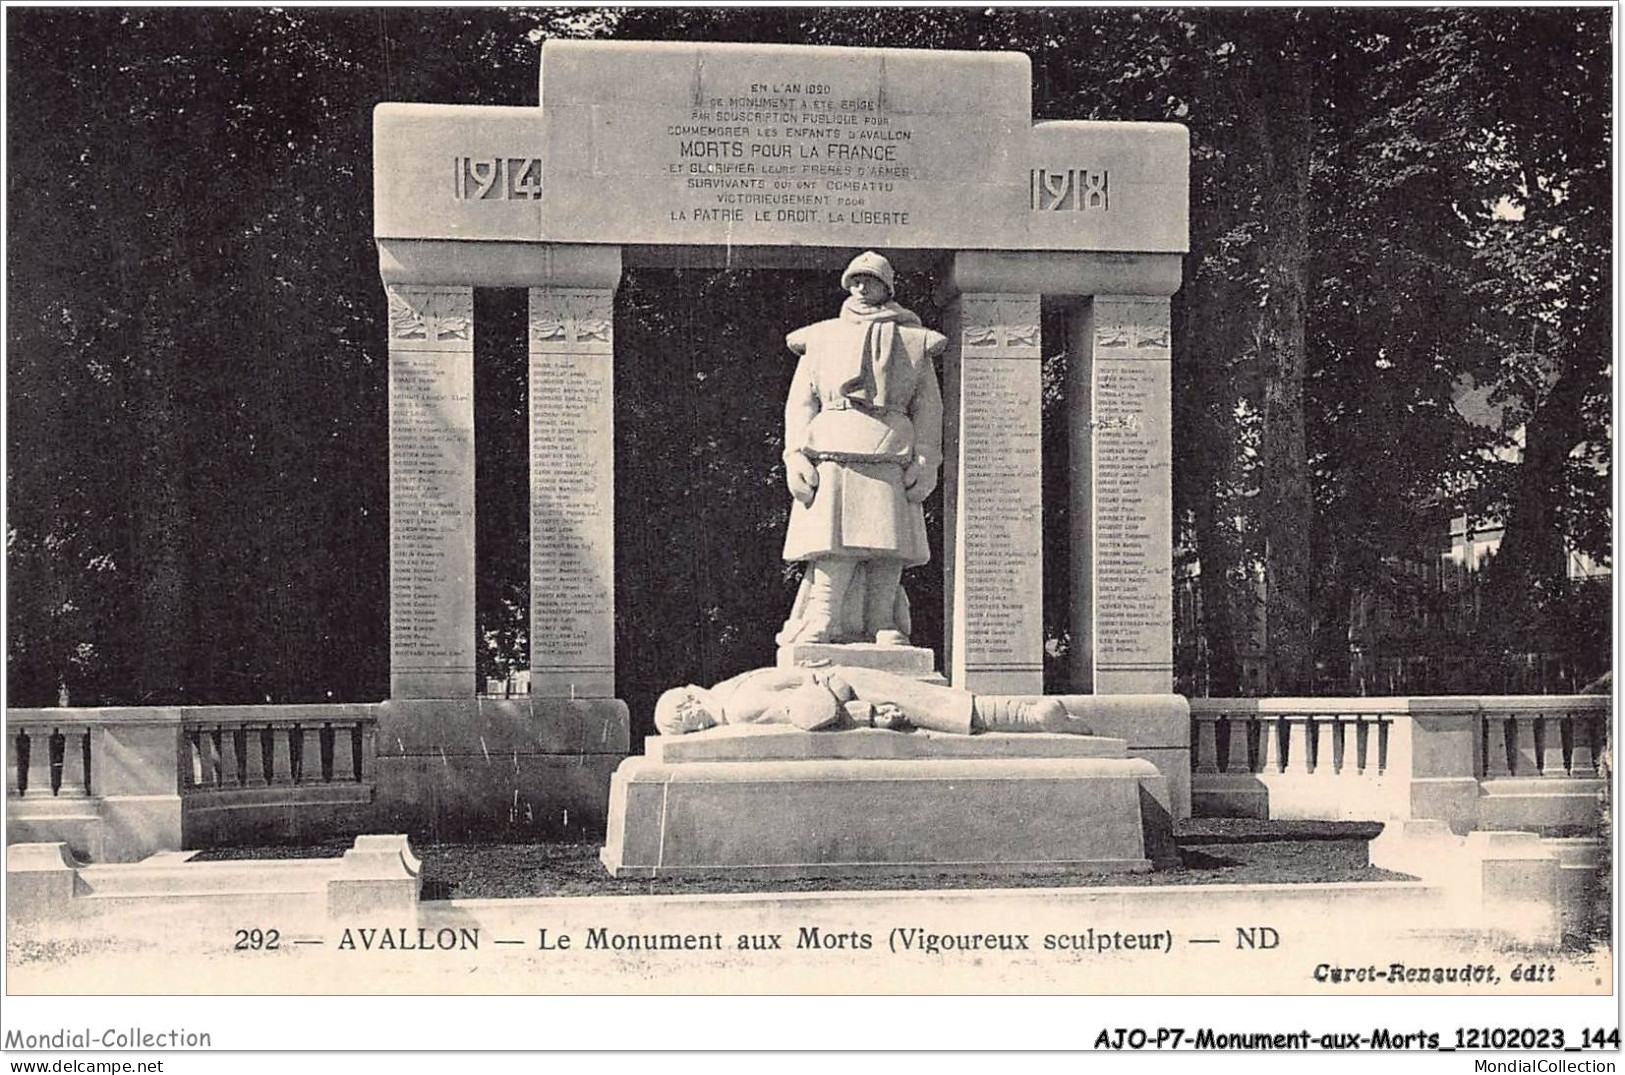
<point>1387,205</point>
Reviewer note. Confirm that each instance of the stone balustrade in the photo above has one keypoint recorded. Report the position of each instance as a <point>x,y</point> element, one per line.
<point>49,758</point>
<point>1543,737</point>
<point>118,784</point>
<point>275,773</point>
<point>1475,762</point>
<point>248,748</point>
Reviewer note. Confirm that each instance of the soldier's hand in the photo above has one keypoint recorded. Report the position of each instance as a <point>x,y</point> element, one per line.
<point>801,476</point>
<point>918,482</point>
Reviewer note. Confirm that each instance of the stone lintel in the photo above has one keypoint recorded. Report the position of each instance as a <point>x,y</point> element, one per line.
<point>498,264</point>
<point>1059,273</point>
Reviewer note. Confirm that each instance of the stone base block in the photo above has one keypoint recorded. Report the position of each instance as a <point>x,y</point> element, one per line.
<point>135,826</point>
<point>527,725</point>
<point>1541,803</point>
<point>41,882</point>
<point>1157,728</point>
<point>496,797</point>
<point>1521,885</point>
<point>912,661</point>
<point>856,804</point>
<point>303,813</point>
<point>497,768</point>
<point>76,823</point>
<point>1229,795</point>
<point>1584,884</point>
<point>379,877</point>
<point>1452,799</point>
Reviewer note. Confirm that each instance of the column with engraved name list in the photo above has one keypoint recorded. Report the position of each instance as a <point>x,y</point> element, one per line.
<point>431,491</point>
<point>993,532</point>
<point>572,492</point>
<point>1122,569</point>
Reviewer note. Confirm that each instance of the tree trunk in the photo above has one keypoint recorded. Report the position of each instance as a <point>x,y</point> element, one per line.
<point>1284,141</point>
<point>163,649</point>
<point>1530,567</point>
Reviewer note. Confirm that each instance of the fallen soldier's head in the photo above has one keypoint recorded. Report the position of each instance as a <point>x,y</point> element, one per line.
<point>687,709</point>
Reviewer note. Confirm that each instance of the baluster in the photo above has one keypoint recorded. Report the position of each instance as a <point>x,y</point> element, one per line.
<point>1297,751</point>
<point>310,765</point>
<point>16,761</point>
<point>239,755</point>
<point>1527,759</point>
<point>1223,732</point>
<point>59,759</point>
<point>1382,744</point>
<point>1236,757</point>
<point>296,754</point>
<point>191,758</point>
<point>1498,747</point>
<point>361,768</point>
<point>1338,749</point>
<point>39,762</point>
<point>75,780</point>
<point>327,753</point>
<point>1272,736</point>
<point>281,754</point>
<point>217,757</point>
<point>343,754</point>
<point>257,746</point>
<point>365,734</point>
<point>1578,730</point>
<point>1207,746</point>
<point>1314,738</point>
<point>1362,744</point>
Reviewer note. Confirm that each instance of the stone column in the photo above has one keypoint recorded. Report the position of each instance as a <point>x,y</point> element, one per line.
<point>1121,508</point>
<point>431,491</point>
<point>572,492</point>
<point>993,515</point>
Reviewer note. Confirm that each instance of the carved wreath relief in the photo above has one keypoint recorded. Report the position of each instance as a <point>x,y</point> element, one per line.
<point>1133,327</point>
<point>569,319</point>
<point>431,314</point>
<point>1009,322</point>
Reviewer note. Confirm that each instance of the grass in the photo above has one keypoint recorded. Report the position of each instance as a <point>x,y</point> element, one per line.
<point>1205,851</point>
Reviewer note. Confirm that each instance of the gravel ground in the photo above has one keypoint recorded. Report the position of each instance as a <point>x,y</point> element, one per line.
<point>1206,851</point>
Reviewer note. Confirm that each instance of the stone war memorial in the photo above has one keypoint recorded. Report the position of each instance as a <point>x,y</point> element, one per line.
<point>854,752</point>
<point>794,157</point>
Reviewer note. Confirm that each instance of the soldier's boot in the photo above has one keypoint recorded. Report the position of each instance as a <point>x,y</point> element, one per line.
<point>831,579</point>
<point>1007,713</point>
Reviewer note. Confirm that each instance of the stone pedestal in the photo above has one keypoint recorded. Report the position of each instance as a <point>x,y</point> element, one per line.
<point>916,662</point>
<point>1122,506</point>
<point>431,491</point>
<point>779,802</point>
<point>993,537</point>
<point>572,492</point>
